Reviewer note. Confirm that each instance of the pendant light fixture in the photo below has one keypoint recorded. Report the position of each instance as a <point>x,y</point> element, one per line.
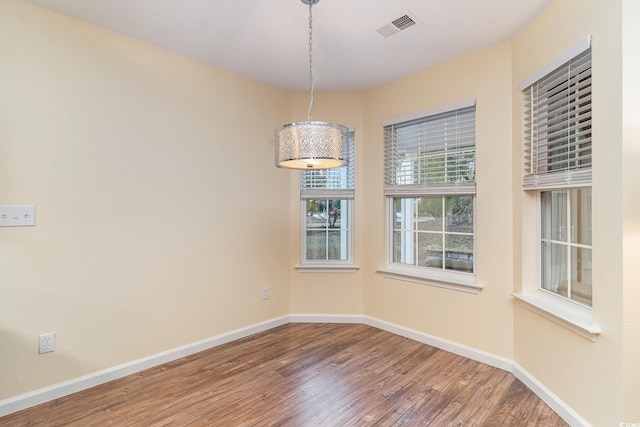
<point>311,144</point>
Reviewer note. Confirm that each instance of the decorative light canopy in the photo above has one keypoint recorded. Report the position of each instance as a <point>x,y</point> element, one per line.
<point>311,144</point>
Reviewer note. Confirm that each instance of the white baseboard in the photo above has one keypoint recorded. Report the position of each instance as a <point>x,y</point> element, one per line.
<point>471,353</point>
<point>75,385</point>
<point>326,318</point>
<point>450,346</point>
<point>56,391</point>
<point>554,402</point>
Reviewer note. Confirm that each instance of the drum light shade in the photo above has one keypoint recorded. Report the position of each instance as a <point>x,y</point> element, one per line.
<point>311,145</point>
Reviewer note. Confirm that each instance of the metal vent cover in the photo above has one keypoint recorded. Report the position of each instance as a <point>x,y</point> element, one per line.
<point>403,22</point>
<point>399,24</point>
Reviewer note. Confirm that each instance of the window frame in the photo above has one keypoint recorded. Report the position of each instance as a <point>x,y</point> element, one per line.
<point>442,278</point>
<point>562,310</point>
<point>345,193</point>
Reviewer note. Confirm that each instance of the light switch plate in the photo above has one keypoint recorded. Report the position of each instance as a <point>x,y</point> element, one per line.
<point>17,216</point>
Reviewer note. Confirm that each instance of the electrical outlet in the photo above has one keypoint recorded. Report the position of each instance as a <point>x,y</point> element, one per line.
<point>265,293</point>
<point>17,216</point>
<point>47,342</point>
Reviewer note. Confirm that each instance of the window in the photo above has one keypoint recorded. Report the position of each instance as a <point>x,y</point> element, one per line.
<point>557,174</point>
<point>430,186</point>
<point>557,147</point>
<point>327,217</point>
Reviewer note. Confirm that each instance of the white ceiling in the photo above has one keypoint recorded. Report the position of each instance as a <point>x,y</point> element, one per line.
<point>267,40</point>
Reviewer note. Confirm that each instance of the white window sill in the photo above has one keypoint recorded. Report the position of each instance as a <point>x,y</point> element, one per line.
<point>463,282</point>
<point>327,268</point>
<point>573,317</point>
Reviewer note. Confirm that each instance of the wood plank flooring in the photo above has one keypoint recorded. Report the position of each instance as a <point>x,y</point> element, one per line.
<point>304,374</point>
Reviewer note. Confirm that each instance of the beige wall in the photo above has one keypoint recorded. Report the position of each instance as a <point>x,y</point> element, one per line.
<point>586,375</point>
<point>631,206</point>
<point>481,321</point>
<point>134,158</point>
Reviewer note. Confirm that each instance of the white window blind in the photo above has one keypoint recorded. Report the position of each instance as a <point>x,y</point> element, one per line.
<point>331,183</point>
<point>434,153</point>
<point>557,127</point>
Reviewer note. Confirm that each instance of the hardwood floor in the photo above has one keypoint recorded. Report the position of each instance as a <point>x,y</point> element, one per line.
<point>305,375</point>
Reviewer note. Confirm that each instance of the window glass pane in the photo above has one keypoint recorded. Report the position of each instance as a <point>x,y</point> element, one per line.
<point>404,247</point>
<point>581,215</point>
<point>337,245</point>
<point>404,213</point>
<point>405,222</point>
<point>581,275</point>
<point>334,213</point>
<point>397,213</point>
<point>326,230</point>
<point>459,214</point>
<point>459,252</point>
<point>430,213</point>
<point>397,247</point>
<point>430,249</point>
<point>554,268</point>
<point>554,215</point>
<point>316,245</point>
<point>316,213</point>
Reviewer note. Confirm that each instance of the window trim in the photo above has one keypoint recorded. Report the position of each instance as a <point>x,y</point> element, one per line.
<point>326,268</point>
<point>557,62</point>
<point>456,281</point>
<point>458,105</point>
<point>452,280</point>
<point>575,317</point>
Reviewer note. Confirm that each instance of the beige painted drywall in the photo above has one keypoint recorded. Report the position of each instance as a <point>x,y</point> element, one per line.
<point>480,321</point>
<point>160,215</point>
<point>588,376</point>
<point>631,207</point>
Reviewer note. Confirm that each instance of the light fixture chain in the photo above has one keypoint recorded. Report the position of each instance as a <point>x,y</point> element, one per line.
<point>309,116</point>
<point>311,145</point>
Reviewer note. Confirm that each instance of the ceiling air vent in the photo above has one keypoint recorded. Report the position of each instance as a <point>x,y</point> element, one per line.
<point>397,25</point>
<point>403,22</point>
